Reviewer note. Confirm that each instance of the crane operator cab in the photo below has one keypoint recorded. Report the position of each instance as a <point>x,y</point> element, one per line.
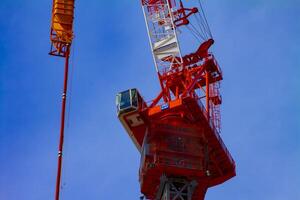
<point>130,104</point>
<point>128,101</point>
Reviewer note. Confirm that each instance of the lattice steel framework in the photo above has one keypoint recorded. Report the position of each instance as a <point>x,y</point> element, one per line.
<point>176,189</point>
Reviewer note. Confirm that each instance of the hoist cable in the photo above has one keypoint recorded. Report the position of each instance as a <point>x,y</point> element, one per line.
<point>195,29</point>
<point>202,23</point>
<point>201,27</point>
<point>194,34</point>
<point>202,10</point>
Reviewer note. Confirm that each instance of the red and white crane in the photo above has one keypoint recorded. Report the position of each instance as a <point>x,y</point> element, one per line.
<point>178,133</point>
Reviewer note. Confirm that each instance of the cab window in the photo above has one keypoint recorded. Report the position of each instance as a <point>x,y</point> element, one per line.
<point>125,100</point>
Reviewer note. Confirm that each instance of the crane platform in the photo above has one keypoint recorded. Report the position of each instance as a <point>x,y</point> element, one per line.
<point>175,140</point>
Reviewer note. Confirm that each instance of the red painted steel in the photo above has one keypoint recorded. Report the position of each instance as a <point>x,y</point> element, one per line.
<point>61,36</point>
<point>175,145</point>
<point>179,136</point>
<point>62,127</point>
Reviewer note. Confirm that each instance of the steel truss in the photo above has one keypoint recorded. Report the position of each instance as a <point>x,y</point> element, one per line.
<point>176,189</point>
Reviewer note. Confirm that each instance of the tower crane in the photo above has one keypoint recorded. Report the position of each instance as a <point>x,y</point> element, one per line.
<point>178,132</point>
<point>61,36</point>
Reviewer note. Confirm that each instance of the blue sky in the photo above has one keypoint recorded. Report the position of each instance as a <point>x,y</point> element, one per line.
<point>257,46</point>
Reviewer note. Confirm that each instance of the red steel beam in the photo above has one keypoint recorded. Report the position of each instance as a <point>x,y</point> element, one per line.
<point>62,126</point>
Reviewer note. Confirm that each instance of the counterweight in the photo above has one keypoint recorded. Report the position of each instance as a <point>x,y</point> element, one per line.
<point>178,133</point>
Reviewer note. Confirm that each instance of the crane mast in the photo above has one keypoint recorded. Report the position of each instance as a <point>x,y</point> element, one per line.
<point>61,37</point>
<point>178,132</point>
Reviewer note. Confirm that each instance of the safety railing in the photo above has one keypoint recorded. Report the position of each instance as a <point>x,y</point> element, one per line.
<point>214,129</point>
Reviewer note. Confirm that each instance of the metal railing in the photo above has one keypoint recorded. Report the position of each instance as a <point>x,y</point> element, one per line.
<point>214,130</point>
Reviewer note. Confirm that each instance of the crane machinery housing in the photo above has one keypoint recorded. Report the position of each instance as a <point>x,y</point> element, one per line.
<point>178,133</point>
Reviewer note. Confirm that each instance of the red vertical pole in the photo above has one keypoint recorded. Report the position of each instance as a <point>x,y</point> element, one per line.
<point>62,126</point>
<point>207,95</point>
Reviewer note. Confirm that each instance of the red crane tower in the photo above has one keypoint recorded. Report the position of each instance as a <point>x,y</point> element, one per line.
<point>178,133</point>
<point>61,36</point>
